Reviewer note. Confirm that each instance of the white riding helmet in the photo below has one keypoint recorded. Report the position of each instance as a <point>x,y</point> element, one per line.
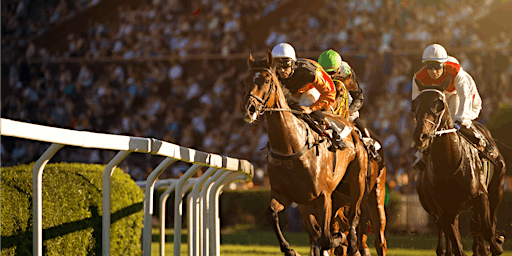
<point>435,52</point>
<point>284,50</point>
<point>345,69</point>
<point>452,59</point>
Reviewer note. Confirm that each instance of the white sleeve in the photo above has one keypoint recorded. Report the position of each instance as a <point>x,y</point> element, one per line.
<point>466,88</point>
<point>415,89</point>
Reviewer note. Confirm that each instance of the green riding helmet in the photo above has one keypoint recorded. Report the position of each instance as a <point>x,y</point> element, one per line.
<point>330,60</point>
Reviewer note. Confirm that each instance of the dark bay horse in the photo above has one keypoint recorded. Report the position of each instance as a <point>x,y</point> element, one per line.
<point>452,181</point>
<point>299,170</point>
<point>374,202</point>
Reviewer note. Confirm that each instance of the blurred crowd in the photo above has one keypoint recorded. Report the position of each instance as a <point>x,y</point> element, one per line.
<point>196,103</point>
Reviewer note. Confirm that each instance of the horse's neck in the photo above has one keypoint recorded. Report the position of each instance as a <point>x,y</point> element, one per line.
<point>285,131</point>
<point>446,152</point>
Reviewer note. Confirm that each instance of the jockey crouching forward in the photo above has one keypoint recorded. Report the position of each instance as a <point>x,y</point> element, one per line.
<point>462,96</point>
<point>348,104</point>
<point>309,84</point>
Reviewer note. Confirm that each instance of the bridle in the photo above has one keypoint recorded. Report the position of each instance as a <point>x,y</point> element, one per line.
<point>263,102</point>
<point>435,132</point>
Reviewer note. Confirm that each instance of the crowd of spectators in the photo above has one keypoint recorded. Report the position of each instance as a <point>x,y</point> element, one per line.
<point>196,103</point>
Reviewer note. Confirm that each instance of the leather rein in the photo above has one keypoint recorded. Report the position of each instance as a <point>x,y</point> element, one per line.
<point>262,109</point>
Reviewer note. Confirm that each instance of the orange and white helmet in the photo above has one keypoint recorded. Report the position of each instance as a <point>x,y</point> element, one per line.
<point>435,52</point>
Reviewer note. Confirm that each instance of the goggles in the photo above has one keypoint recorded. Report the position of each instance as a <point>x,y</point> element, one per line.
<point>433,65</point>
<point>284,63</point>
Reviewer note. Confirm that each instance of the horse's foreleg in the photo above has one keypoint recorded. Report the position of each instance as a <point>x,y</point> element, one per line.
<point>479,247</point>
<point>451,229</point>
<point>323,210</point>
<point>441,239</point>
<point>378,214</point>
<point>271,214</point>
<point>356,195</point>
<point>311,225</point>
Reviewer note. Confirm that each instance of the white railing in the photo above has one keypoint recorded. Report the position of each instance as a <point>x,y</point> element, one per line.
<point>222,170</point>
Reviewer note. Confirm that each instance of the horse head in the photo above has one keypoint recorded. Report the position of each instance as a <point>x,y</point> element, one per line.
<point>431,113</point>
<point>261,85</point>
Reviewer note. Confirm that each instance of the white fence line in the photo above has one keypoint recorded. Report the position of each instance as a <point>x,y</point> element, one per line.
<point>126,144</point>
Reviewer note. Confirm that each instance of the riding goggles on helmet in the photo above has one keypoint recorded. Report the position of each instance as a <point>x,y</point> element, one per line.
<point>433,65</point>
<point>286,63</point>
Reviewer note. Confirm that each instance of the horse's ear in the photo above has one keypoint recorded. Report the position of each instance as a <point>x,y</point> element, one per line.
<point>446,82</point>
<point>270,59</point>
<point>250,61</point>
<point>419,84</point>
<point>414,105</point>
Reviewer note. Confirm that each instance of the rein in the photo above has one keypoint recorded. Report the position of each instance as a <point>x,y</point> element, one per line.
<point>436,132</point>
<point>262,109</point>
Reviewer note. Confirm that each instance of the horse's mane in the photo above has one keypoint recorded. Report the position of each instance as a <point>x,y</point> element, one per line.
<point>262,63</point>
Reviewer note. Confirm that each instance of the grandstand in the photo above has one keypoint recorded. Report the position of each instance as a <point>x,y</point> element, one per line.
<point>173,70</point>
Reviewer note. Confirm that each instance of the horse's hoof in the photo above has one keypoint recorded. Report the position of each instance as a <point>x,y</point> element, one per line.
<point>356,253</point>
<point>291,252</point>
<point>365,252</point>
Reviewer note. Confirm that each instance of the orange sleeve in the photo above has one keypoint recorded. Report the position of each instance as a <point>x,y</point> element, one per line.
<point>325,86</point>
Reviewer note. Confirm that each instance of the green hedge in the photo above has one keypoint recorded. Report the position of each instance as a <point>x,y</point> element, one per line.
<point>72,210</point>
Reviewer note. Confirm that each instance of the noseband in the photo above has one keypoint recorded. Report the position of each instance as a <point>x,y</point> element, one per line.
<point>437,124</point>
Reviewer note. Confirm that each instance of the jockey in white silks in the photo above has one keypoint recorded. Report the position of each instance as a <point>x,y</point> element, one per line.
<point>462,94</point>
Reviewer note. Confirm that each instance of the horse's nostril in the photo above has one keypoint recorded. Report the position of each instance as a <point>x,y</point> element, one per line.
<point>424,137</point>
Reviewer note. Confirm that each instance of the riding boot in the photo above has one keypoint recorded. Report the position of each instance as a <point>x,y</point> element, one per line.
<point>336,134</point>
<point>372,148</point>
<point>478,139</point>
<point>372,145</point>
<point>419,163</point>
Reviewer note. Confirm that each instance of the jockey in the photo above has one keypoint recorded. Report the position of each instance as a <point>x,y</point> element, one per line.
<point>462,96</point>
<point>307,81</point>
<point>345,80</point>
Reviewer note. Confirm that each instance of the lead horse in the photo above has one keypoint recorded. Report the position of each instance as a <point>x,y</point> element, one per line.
<point>454,178</point>
<point>300,168</point>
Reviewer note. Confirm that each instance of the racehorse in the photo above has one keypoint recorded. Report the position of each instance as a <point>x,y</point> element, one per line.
<point>375,204</point>
<point>454,178</point>
<point>302,169</point>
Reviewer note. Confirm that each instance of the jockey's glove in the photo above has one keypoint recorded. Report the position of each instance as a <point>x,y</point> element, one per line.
<point>457,125</point>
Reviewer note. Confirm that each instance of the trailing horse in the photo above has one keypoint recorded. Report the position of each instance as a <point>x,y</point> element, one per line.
<point>455,178</point>
<point>301,168</point>
<point>374,202</point>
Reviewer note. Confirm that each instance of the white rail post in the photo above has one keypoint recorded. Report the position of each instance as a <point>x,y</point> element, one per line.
<point>148,203</point>
<point>214,221</point>
<point>37,197</point>
<point>177,206</point>
<point>163,200</point>
<point>196,208</point>
<point>203,211</point>
<point>206,210</point>
<point>107,175</point>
